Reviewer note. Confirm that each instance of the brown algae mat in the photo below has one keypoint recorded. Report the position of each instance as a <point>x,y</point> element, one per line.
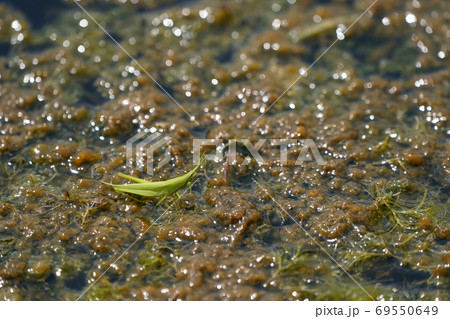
<point>372,222</point>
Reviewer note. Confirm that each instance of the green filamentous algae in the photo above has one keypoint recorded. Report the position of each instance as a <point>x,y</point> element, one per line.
<point>76,110</point>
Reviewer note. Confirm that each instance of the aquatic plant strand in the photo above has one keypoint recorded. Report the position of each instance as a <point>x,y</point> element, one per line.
<point>304,73</point>
<point>315,241</point>
<point>129,247</point>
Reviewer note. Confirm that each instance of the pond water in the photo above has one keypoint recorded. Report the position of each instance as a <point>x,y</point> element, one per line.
<point>362,85</point>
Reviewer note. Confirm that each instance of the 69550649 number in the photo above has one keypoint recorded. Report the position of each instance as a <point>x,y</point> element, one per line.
<point>406,310</point>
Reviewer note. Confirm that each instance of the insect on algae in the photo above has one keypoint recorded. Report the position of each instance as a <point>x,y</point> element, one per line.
<point>162,189</point>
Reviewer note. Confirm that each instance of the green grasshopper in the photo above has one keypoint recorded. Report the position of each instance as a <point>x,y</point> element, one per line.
<point>155,189</point>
